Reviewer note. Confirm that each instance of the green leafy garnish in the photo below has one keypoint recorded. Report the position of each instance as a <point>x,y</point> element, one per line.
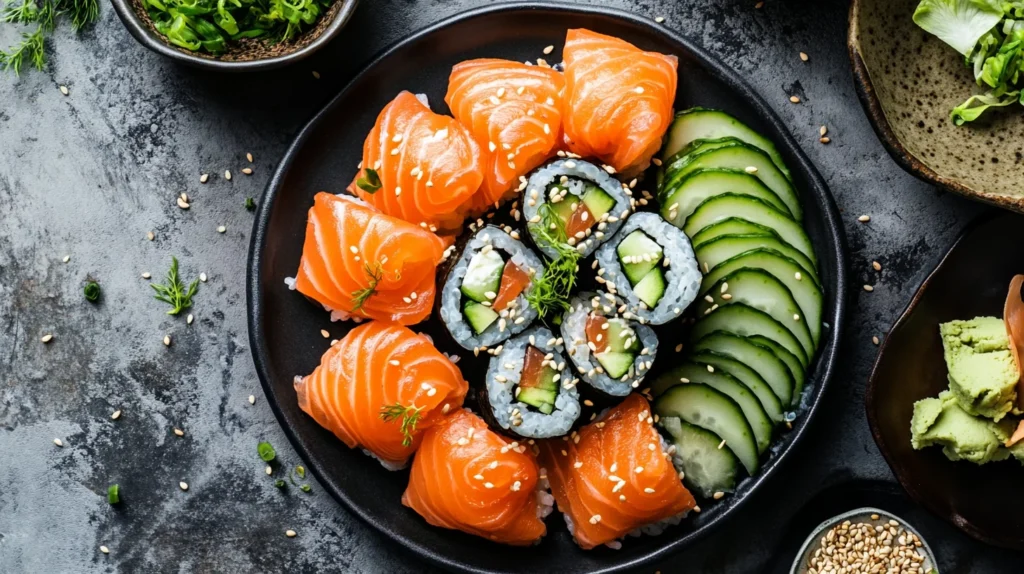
<point>409,415</point>
<point>370,182</point>
<point>305,488</point>
<point>250,204</point>
<point>959,23</point>
<point>82,12</point>
<point>360,296</point>
<point>280,483</point>
<point>215,25</point>
<point>552,291</point>
<point>266,451</point>
<point>113,494</point>
<point>174,291</point>
<point>300,471</point>
<point>30,48</point>
<point>92,291</point>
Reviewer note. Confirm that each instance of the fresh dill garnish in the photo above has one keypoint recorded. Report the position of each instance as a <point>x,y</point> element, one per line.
<point>82,12</point>
<point>174,291</point>
<point>92,291</point>
<point>280,483</point>
<point>410,416</point>
<point>250,204</point>
<point>360,296</point>
<point>24,12</point>
<point>370,182</point>
<point>266,451</point>
<point>113,494</point>
<point>30,48</point>
<point>551,292</point>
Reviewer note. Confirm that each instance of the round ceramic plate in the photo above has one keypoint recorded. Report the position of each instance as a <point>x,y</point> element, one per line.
<point>284,328</point>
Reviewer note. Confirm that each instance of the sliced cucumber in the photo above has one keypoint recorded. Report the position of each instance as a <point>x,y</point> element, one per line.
<point>483,275</point>
<point>615,364</point>
<point>703,406</point>
<point>702,123</point>
<point>698,146</point>
<point>754,210</point>
<point>678,203</point>
<point>756,356</point>
<point>638,254</point>
<point>805,291</point>
<point>651,288</point>
<point>730,226</point>
<point>621,337</point>
<point>744,158</point>
<point>537,397</point>
<point>565,208</point>
<point>747,321</point>
<point>761,290</point>
<point>793,364</point>
<point>707,469</point>
<point>597,201</point>
<point>547,380</point>
<point>725,247</point>
<point>750,379</point>
<point>479,316</point>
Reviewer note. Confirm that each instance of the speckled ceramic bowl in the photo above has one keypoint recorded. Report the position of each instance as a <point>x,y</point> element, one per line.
<point>908,82</point>
<point>802,563</point>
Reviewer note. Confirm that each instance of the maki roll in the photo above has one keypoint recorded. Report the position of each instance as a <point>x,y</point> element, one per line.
<point>530,389</point>
<point>651,265</point>
<point>611,353</point>
<point>573,203</point>
<point>484,297</point>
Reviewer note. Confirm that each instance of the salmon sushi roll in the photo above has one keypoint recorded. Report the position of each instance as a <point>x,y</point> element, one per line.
<point>419,166</point>
<point>615,478</point>
<point>466,477</point>
<point>618,100</point>
<point>380,388</point>
<point>361,264</point>
<point>515,113</point>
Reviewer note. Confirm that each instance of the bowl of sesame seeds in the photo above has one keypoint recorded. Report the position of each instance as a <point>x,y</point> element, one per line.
<point>864,540</point>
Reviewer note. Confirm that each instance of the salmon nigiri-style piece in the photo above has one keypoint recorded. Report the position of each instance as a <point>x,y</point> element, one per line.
<point>466,477</point>
<point>425,166</point>
<point>616,478</point>
<point>360,263</point>
<point>618,99</point>
<point>380,388</point>
<point>514,112</point>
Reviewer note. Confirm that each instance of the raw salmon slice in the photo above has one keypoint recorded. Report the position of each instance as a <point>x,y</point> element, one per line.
<point>375,379</point>
<point>615,478</point>
<point>466,477</point>
<point>514,112</point>
<point>428,166</point>
<point>360,263</point>
<point>618,99</point>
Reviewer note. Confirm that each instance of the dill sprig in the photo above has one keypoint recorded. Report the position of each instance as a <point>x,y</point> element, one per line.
<point>24,12</point>
<point>30,47</point>
<point>174,291</point>
<point>551,292</point>
<point>360,296</point>
<point>82,12</point>
<point>410,416</point>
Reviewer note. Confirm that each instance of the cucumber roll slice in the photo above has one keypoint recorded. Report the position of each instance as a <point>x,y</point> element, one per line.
<point>759,357</point>
<point>706,468</point>
<point>679,202</point>
<point>703,123</point>
<point>702,406</point>
<point>754,210</point>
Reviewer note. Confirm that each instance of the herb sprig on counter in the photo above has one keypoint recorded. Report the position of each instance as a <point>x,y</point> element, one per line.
<point>174,292</point>
<point>43,13</point>
<point>209,25</point>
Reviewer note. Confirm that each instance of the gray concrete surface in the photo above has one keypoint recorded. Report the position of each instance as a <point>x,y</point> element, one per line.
<point>89,174</point>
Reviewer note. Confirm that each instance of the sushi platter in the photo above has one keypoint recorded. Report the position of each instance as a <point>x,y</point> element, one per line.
<point>586,291</point>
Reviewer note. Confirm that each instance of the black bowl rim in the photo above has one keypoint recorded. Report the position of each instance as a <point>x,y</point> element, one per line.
<point>830,219</point>
<point>869,395</point>
<point>154,42</point>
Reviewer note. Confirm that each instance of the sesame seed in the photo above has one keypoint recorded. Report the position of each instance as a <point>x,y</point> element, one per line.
<point>179,432</point>
<point>247,170</point>
<point>189,319</point>
<point>115,415</point>
<point>290,533</point>
<point>750,169</point>
<point>864,218</point>
<point>718,495</point>
<point>794,99</point>
<point>659,19</point>
<point>876,266</point>
<point>804,57</point>
<point>825,139</point>
<point>595,519</point>
<point>167,340</point>
<point>798,276</point>
<point>548,49</point>
<point>203,277</point>
<point>150,235</point>
<point>221,229</point>
<point>325,334</point>
<point>58,442</point>
<point>46,338</point>
<point>227,174</point>
<point>269,470</point>
<point>64,90</point>
<point>252,399</point>
<point>183,485</point>
<point>869,288</point>
<point>182,203</point>
<point>248,156</point>
<point>721,445</point>
<point>874,340</point>
<point>316,74</point>
<point>104,550</point>
<point>649,490</point>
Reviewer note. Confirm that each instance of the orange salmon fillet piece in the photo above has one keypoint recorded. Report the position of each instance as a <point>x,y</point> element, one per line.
<point>351,248</point>
<point>466,477</point>
<point>616,478</point>
<point>618,99</point>
<point>374,366</point>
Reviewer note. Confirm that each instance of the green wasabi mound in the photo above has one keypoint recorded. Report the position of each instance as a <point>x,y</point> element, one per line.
<point>941,422</point>
<point>982,372</point>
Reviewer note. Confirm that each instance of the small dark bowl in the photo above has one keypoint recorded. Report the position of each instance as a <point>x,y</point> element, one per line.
<point>970,281</point>
<point>256,57</point>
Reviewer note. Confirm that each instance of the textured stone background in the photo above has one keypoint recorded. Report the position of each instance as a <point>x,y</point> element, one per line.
<point>89,174</point>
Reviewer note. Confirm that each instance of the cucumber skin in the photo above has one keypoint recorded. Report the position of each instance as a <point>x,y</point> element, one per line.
<point>706,468</point>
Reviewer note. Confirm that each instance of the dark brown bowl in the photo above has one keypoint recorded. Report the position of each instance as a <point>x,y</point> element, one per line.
<point>970,281</point>
<point>257,56</point>
<point>908,82</point>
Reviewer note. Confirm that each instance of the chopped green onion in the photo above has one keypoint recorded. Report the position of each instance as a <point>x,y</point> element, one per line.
<point>92,291</point>
<point>113,494</point>
<point>266,451</point>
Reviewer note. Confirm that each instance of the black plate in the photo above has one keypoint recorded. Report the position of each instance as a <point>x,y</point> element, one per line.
<point>284,327</point>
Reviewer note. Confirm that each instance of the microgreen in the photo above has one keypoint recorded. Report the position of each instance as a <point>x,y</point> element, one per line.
<point>409,415</point>
<point>174,292</point>
<point>370,182</point>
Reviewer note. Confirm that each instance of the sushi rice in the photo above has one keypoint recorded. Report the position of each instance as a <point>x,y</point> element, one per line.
<point>516,416</point>
<point>451,296</point>
<point>559,172</point>
<point>574,334</point>
<point>682,275</point>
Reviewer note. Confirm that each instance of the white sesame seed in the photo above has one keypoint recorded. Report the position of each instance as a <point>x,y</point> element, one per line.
<point>290,533</point>
<point>221,229</point>
<point>167,340</point>
<point>269,470</point>
<point>325,333</point>
<point>189,319</point>
<point>227,174</point>
<point>659,19</point>
<point>252,399</point>
<point>46,338</point>
<point>150,235</point>
<point>183,485</point>
<point>58,442</point>
<point>104,550</point>
<point>864,218</point>
<point>203,277</point>
<point>869,288</point>
<point>247,170</point>
<point>182,203</point>
<point>548,49</point>
<point>64,90</point>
